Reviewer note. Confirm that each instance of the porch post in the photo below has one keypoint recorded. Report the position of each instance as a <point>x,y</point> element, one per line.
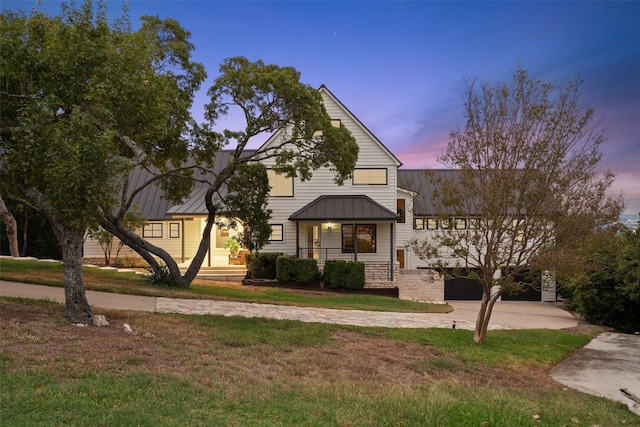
<point>391,246</point>
<point>297,239</point>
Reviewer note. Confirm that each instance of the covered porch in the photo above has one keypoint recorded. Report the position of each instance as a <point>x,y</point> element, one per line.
<point>348,227</point>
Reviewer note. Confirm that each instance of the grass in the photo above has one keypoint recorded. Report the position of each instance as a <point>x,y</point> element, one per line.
<point>51,274</point>
<point>219,371</point>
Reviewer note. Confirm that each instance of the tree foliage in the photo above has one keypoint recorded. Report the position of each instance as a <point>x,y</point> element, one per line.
<point>84,101</point>
<point>527,182</point>
<point>608,293</point>
<point>271,99</point>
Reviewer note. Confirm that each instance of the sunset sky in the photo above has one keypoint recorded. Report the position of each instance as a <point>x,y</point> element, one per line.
<point>400,66</point>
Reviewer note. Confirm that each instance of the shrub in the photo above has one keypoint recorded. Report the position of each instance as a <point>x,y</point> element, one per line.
<point>609,294</point>
<point>286,268</point>
<point>306,270</point>
<point>339,274</point>
<point>262,265</point>
<point>160,277</point>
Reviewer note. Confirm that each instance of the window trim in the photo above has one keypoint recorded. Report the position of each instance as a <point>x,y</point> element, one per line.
<point>270,170</point>
<point>174,232</point>
<point>275,227</point>
<point>432,223</point>
<point>402,215</point>
<point>354,230</point>
<point>150,229</point>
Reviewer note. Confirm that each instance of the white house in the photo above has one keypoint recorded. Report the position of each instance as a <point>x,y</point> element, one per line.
<point>369,219</point>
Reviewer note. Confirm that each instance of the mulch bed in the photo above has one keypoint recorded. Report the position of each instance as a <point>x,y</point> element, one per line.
<point>318,286</point>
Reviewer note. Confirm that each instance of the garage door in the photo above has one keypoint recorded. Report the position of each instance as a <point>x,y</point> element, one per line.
<point>462,289</point>
<point>531,293</point>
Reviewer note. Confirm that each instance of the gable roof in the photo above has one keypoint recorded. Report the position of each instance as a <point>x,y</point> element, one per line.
<point>343,207</point>
<point>324,90</point>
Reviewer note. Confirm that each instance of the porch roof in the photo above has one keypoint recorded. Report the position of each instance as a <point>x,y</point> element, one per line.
<point>342,207</point>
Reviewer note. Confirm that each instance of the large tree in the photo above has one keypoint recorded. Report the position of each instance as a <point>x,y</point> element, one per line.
<point>12,228</point>
<point>83,101</point>
<point>270,99</point>
<point>527,182</point>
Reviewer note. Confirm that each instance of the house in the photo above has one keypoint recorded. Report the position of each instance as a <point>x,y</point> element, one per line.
<point>369,219</point>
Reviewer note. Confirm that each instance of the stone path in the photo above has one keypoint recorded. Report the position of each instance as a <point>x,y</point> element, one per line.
<point>314,315</point>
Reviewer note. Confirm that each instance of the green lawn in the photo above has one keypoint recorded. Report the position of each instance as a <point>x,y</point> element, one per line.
<point>219,371</point>
<point>50,273</point>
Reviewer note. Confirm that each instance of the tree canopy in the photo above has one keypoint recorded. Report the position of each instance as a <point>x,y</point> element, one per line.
<point>272,100</point>
<point>527,185</point>
<point>83,101</point>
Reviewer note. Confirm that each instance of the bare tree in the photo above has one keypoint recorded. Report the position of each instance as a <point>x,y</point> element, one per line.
<point>526,185</point>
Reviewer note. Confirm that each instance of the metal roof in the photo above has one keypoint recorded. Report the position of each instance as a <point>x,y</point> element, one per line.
<point>420,181</point>
<point>342,207</point>
<point>153,206</point>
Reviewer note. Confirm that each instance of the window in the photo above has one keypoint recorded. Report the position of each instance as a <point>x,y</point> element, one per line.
<point>336,123</point>
<point>472,223</point>
<point>152,230</point>
<point>277,233</point>
<point>281,185</point>
<point>432,223</point>
<point>418,223</point>
<point>174,230</point>
<point>370,176</point>
<point>461,223</point>
<point>446,224</point>
<point>365,236</point>
<point>400,209</point>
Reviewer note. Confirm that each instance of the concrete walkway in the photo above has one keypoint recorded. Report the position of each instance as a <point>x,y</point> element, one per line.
<point>607,364</point>
<point>506,315</point>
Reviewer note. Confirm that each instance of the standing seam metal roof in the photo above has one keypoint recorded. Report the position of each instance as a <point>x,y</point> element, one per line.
<point>342,207</point>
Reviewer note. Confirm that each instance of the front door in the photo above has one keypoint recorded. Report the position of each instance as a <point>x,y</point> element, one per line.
<point>400,257</point>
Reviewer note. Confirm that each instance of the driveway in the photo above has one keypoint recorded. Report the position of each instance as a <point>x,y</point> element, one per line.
<point>506,314</point>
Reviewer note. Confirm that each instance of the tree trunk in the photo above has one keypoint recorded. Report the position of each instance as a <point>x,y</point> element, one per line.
<point>147,250</point>
<point>71,242</point>
<point>484,315</point>
<point>12,229</point>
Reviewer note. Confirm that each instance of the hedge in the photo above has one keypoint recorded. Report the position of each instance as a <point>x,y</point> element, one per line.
<point>339,274</point>
<point>262,265</point>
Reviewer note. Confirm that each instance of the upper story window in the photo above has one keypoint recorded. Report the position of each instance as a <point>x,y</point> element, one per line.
<point>281,185</point>
<point>418,223</point>
<point>373,176</point>
<point>401,211</point>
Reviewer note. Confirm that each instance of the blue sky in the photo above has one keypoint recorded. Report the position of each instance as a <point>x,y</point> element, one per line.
<point>399,66</point>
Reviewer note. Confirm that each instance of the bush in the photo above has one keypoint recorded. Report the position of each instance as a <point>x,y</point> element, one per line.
<point>340,274</point>
<point>306,270</point>
<point>610,294</point>
<point>301,270</point>
<point>286,268</point>
<point>262,265</point>
<point>160,277</point>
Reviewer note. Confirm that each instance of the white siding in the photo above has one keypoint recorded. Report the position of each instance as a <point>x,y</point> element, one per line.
<point>371,155</point>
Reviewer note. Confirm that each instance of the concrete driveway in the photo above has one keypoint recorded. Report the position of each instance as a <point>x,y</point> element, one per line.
<point>517,314</point>
<point>607,364</point>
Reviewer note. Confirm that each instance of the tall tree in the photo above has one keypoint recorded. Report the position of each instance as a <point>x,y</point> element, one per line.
<point>269,98</point>
<point>12,228</point>
<point>527,181</point>
<point>83,101</point>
